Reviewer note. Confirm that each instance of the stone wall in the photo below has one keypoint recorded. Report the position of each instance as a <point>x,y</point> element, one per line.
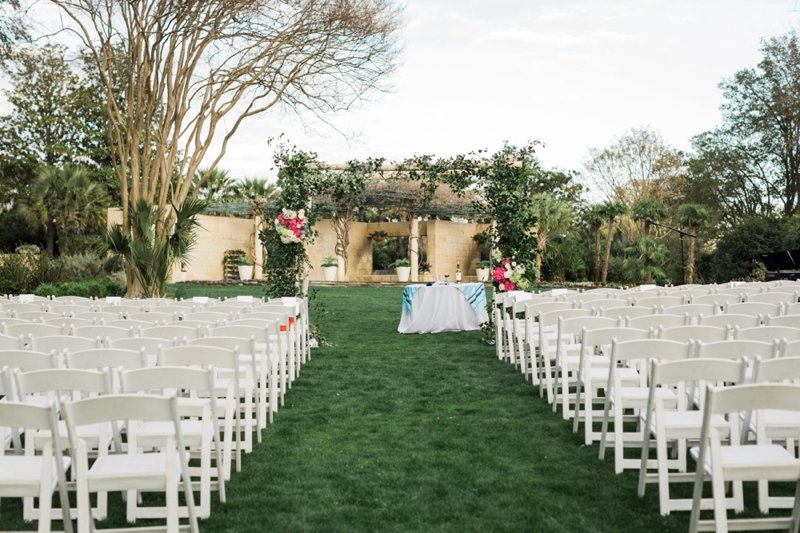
<point>447,244</point>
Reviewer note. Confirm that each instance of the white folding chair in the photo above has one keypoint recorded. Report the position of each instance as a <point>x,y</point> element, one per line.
<point>620,397</point>
<point>197,403</point>
<point>730,320</point>
<point>593,373</point>
<point>149,346</point>
<point>739,463</point>
<point>544,359</point>
<point>754,308</point>
<point>34,476</point>
<point>133,471</point>
<point>656,320</point>
<point>678,426</point>
<point>768,333</point>
<point>788,321</point>
<point>695,333</point>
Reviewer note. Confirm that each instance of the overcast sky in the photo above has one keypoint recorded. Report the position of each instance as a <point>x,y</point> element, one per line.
<point>573,74</point>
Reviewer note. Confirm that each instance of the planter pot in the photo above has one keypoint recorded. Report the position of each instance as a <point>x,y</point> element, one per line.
<point>183,275</point>
<point>378,238</point>
<point>483,274</point>
<point>245,272</point>
<point>329,273</point>
<point>403,273</point>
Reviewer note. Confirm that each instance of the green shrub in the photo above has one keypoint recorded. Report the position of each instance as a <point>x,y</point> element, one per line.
<point>79,267</point>
<point>113,288</point>
<point>46,289</point>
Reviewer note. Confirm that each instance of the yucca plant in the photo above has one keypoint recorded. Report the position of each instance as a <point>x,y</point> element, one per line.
<point>148,259</point>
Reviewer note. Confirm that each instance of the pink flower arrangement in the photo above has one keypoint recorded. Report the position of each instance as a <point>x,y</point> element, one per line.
<point>289,225</point>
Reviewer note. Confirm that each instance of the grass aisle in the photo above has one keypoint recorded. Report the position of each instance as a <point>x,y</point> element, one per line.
<point>384,432</point>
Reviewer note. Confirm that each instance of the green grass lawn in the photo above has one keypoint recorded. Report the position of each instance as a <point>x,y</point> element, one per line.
<point>383,432</point>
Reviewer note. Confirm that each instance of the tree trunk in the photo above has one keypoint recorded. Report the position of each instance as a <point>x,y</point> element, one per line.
<point>597,254</point>
<point>609,238</point>
<point>341,224</point>
<point>541,242</point>
<point>690,265</point>
<point>51,238</point>
<point>646,229</point>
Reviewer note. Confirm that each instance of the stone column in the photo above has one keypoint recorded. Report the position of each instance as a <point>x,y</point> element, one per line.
<point>414,238</point>
<point>258,250</point>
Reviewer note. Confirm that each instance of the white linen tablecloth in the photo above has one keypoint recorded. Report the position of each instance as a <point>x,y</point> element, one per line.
<point>439,308</point>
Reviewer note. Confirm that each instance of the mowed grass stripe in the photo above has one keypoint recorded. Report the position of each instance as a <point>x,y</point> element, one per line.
<point>384,432</point>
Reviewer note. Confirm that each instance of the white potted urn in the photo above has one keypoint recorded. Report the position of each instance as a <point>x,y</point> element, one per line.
<point>245,269</point>
<point>183,276</point>
<point>482,270</point>
<point>329,266</point>
<point>403,269</point>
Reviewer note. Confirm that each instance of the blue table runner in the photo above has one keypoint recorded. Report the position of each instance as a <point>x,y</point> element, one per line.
<point>473,292</point>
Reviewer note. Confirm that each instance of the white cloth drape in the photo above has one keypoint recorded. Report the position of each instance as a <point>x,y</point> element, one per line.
<point>440,308</point>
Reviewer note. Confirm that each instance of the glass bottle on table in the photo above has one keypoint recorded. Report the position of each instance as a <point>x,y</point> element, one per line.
<point>458,272</point>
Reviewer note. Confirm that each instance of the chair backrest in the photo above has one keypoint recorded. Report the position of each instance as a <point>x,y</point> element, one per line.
<point>701,371</point>
<point>661,301</point>
<point>67,322</point>
<point>656,321</point>
<point>63,381</point>
<point>106,357</point>
<point>209,316</point>
<point>532,308</point>
<point>791,349</point>
<point>21,308</point>
<point>244,346</point>
<point>36,316</point>
<point>160,379</point>
<point>789,321</point>
<point>754,308</point>
<point>228,308</point>
<point>27,360</point>
<point>605,336</point>
<point>102,332</point>
<point>551,318</point>
<point>768,333</point>
<point>692,309</point>
<point>781,369</point>
<point>730,320</point>
<point>697,333</point>
<point>625,313</point>
<point>173,332</point>
<point>8,342</point>
<point>153,317</point>
<point>586,296</point>
<point>35,330</point>
<point>648,349</point>
<point>98,316</point>
<point>201,325</point>
<point>740,290</point>
<point>59,343</point>
<point>736,349</point>
<point>69,308</point>
<point>260,335</point>
<point>772,298</point>
<point>610,303</point>
<point>719,299</point>
<point>117,309</point>
<point>199,356</point>
<point>128,324</point>
<point>792,309</point>
<point>574,326</point>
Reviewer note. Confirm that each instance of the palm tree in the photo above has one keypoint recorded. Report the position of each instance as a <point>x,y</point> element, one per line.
<point>646,263</point>
<point>214,185</point>
<point>611,210</point>
<point>693,216</point>
<point>148,260</point>
<point>256,189</point>
<point>552,216</point>
<point>647,209</point>
<point>594,217</point>
<point>62,195</point>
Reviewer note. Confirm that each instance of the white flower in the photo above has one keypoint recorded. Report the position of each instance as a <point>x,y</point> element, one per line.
<point>507,274</point>
<point>513,263</point>
<point>500,287</point>
<point>289,214</point>
<point>302,213</point>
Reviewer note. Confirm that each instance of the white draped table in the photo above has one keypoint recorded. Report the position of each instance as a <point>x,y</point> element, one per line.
<point>443,307</point>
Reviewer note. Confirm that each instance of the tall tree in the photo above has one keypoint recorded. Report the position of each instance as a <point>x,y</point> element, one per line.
<point>645,262</point>
<point>756,149</point>
<point>256,189</point>
<point>13,26</point>
<point>648,209</point>
<point>552,216</point>
<point>195,70</point>
<point>594,217</point>
<point>611,210</point>
<point>692,216</point>
<point>61,195</point>
<point>639,164</point>
<point>215,185</point>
